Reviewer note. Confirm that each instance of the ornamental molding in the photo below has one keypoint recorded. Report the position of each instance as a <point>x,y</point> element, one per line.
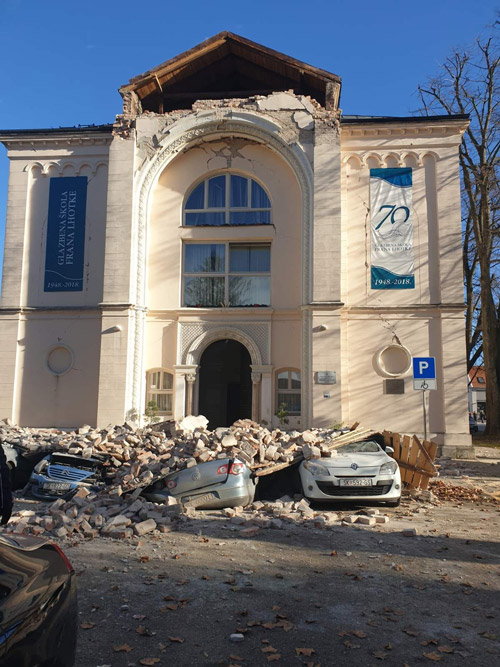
<point>210,127</point>
<point>401,158</point>
<point>306,368</point>
<point>447,128</point>
<point>63,168</point>
<point>195,337</point>
<point>181,136</point>
<point>36,143</point>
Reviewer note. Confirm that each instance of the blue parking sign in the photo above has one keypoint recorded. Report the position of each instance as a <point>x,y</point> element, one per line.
<point>424,368</point>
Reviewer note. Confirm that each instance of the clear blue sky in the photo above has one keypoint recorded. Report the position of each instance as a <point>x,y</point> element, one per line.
<point>63,61</point>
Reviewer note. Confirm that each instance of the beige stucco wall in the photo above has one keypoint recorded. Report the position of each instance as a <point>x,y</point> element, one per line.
<point>427,320</point>
<point>165,233</point>
<point>45,399</point>
<point>33,321</point>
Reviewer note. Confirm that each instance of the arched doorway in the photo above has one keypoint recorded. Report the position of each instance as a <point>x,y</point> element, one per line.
<point>225,387</point>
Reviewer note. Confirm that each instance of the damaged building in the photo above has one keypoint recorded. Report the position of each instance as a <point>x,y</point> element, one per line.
<point>234,246</point>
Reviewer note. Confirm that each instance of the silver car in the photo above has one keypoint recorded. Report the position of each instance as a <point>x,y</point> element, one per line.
<point>60,475</point>
<point>358,471</point>
<point>212,485</point>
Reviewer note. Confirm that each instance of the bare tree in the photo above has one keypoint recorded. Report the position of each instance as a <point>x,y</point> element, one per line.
<point>469,84</point>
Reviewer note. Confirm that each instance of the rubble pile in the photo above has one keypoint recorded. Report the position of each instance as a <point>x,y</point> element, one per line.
<point>135,457</point>
<point>456,492</point>
<point>138,456</point>
<point>87,515</point>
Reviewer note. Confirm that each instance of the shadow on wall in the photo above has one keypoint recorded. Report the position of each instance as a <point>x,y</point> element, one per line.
<point>59,373</point>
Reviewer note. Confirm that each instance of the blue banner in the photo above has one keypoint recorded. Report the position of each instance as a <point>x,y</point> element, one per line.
<point>65,234</point>
<point>392,265</point>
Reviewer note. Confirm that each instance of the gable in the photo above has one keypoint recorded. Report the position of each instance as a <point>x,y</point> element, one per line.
<point>227,66</point>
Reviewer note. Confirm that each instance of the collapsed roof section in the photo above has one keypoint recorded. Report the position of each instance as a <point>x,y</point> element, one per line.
<point>227,66</point>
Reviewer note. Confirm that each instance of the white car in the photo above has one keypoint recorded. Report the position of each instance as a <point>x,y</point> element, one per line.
<point>358,471</point>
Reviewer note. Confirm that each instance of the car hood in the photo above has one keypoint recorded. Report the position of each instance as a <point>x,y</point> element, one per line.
<point>361,460</point>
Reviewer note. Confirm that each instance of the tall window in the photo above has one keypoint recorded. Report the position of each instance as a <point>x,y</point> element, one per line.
<point>227,199</point>
<point>227,274</point>
<point>288,391</point>
<point>160,389</point>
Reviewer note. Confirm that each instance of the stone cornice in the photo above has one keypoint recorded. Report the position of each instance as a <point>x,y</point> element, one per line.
<point>26,141</point>
<point>404,127</point>
<point>322,305</point>
<point>405,309</point>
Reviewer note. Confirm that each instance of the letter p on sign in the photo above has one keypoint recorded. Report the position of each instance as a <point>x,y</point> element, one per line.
<point>424,368</point>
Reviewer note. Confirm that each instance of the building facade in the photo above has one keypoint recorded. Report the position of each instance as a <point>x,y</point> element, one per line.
<point>216,250</point>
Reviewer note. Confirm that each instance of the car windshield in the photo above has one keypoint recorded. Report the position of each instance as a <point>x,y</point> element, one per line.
<point>369,447</point>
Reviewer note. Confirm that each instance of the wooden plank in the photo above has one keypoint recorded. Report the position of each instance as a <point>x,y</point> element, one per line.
<point>421,471</point>
<point>275,468</point>
<point>424,450</point>
<point>352,436</point>
<point>419,464</point>
<point>397,443</point>
<point>392,440</point>
<point>431,449</point>
<point>403,458</point>
<point>405,451</point>
<point>412,460</point>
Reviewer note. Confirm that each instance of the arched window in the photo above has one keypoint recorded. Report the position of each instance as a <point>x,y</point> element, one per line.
<point>227,199</point>
<point>160,391</point>
<point>288,387</point>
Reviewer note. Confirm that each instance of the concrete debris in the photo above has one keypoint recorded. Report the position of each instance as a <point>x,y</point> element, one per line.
<point>367,520</point>
<point>137,456</point>
<point>134,457</point>
<point>409,532</point>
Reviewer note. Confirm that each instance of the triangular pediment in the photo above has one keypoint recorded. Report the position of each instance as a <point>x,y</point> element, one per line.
<point>227,66</point>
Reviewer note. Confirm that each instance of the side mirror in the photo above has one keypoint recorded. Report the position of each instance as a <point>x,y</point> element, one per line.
<point>389,450</point>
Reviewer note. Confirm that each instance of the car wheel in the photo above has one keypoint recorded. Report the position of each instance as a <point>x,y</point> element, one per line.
<point>394,503</point>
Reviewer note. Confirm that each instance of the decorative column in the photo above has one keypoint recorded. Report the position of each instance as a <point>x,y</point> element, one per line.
<point>190,380</point>
<point>185,378</point>
<point>256,397</point>
<point>264,387</point>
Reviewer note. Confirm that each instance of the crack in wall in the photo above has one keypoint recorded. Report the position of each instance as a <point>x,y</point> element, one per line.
<point>228,151</point>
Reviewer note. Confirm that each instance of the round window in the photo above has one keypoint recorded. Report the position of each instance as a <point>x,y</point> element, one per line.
<point>393,360</point>
<point>59,359</point>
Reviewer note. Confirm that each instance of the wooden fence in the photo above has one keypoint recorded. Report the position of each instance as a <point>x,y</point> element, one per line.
<point>415,458</point>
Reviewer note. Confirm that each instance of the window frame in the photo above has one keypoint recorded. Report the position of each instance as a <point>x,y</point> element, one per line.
<point>289,389</point>
<point>227,274</point>
<point>150,392</point>
<point>227,209</point>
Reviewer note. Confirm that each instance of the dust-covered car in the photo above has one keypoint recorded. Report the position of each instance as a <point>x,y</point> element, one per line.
<point>358,471</point>
<point>221,483</point>
<point>60,475</point>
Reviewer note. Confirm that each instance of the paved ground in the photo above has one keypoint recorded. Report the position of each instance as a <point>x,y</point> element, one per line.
<point>300,596</point>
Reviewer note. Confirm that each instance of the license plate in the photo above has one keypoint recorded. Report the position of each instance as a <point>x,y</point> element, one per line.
<point>198,501</point>
<point>356,481</point>
<point>56,486</point>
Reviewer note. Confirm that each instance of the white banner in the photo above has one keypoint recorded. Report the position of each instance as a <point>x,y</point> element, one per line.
<point>392,265</point>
